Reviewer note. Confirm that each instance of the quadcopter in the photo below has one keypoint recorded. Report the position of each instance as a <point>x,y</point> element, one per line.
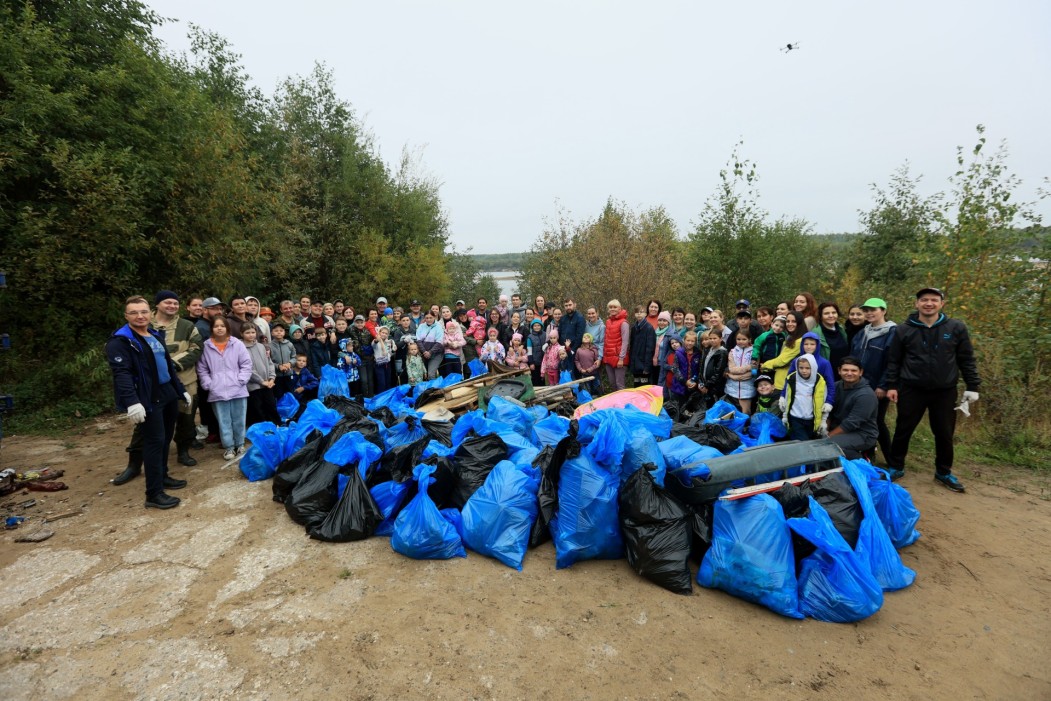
<point>794,46</point>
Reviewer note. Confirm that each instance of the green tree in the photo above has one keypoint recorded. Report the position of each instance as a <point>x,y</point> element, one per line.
<point>735,252</point>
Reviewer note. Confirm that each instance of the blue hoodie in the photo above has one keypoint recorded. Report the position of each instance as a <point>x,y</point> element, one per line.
<point>824,368</point>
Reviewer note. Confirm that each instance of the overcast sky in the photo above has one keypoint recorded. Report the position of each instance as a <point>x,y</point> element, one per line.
<point>524,109</point>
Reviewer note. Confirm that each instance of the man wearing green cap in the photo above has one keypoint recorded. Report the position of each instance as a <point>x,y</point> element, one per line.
<point>870,347</point>
<point>927,356</point>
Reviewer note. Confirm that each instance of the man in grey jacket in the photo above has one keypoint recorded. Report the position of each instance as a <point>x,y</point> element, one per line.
<point>852,423</point>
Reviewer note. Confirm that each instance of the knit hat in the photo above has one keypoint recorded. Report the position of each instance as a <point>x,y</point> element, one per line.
<point>293,328</point>
<point>586,338</point>
<point>537,322</point>
<point>518,337</point>
<point>163,295</point>
<point>664,315</point>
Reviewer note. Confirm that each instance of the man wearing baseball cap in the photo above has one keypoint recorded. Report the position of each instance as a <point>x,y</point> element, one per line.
<point>870,348</point>
<point>927,356</point>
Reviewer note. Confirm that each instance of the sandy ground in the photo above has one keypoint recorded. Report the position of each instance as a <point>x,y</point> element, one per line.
<point>224,597</point>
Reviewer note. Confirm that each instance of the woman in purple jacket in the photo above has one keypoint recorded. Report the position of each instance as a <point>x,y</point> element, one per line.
<point>224,370</point>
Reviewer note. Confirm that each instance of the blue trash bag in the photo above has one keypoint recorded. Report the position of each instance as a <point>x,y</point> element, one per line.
<point>451,379</point>
<point>455,519</point>
<point>420,530</point>
<point>643,450</point>
<point>341,485</point>
<point>408,431</point>
<point>266,453</point>
<point>835,585</point>
<point>551,430</point>
<point>765,427</point>
<point>874,545</point>
<point>471,421</point>
<point>333,381</point>
<point>318,416</point>
<point>659,426</point>
<point>583,396</point>
<point>681,453</point>
<point>477,367</point>
<point>894,506</point>
<point>586,526</point>
<point>392,396</point>
<point>735,422</point>
<point>437,448</point>
<point>419,388</point>
<point>389,497</point>
<point>287,406</point>
<point>519,418</point>
<point>498,517</point>
<point>604,436</point>
<point>751,554</point>
<point>565,376</point>
<point>353,448</point>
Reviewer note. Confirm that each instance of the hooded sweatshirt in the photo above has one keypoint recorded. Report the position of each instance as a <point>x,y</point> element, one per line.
<point>823,367</point>
<point>224,375</point>
<point>282,352</point>
<point>262,366</point>
<point>804,396</point>
<point>454,340</point>
<point>870,346</point>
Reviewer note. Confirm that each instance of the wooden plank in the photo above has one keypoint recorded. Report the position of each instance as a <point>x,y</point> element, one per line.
<point>742,492</point>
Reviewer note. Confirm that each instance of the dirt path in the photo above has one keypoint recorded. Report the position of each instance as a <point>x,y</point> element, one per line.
<point>224,597</point>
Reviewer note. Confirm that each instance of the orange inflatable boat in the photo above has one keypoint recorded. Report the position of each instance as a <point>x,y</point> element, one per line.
<point>648,398</point>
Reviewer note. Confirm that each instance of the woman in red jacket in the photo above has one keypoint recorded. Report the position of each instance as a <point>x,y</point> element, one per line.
<point>615,346</point>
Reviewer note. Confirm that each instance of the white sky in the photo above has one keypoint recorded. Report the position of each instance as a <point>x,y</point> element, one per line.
<point>522,109</point>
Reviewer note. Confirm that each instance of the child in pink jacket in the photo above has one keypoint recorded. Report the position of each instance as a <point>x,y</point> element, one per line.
<point>554,354</point>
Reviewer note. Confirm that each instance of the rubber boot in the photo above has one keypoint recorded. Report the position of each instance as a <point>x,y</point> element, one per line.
<point>185,458</point>
<point>133,470</point>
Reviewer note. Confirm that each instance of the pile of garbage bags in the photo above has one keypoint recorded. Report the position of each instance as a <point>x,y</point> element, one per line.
<point>616,483</point>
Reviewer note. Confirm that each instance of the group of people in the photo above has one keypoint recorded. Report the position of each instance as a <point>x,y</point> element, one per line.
<point>823,372</point>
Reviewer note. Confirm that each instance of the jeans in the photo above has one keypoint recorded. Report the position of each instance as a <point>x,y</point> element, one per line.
<point>231,415</point>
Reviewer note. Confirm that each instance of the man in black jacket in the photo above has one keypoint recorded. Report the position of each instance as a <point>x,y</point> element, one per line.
<point>852,423</point>
<point>926,357</point>
<point>570,332</point>
<point>146,386</point>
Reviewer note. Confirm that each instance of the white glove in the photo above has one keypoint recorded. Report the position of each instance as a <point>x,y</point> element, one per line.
<point>782,404</point>
<point>137,413</point>
<point>187,398</point>
<point>826,409</point>
<point>965,404</point>
<point>784,420</point>
<point>823,429</point>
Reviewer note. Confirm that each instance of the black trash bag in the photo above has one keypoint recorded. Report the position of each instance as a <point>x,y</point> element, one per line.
<point>398,462</point>
<point>442,488</point>
<point>291,469</point>
<point>354,517</point>
<point>565,408</point>
<point>795,502</point>
<point>368,428</point>
<point>658,532</point>
<point>348,408</point>
<point>441,431</point>
<point>472,462</point>
<point>719,437</point>
<point>835,493</point>
<point>315,495</point>
<point>385,415</point>
<point>701,525</point>
<point>428,395</point>
<point>695,494</point>
<point>549,462</point>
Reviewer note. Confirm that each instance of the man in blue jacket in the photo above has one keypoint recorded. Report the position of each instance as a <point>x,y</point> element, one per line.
<point>927,356</point>
<point>146,386</point>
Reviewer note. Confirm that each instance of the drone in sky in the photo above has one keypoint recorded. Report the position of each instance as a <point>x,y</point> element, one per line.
<point>794,46</point>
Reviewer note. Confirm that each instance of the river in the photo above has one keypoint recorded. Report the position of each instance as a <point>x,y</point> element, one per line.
<point>506,280</point>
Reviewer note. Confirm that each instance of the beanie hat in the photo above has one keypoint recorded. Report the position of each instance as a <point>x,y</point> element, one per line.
<point>163,295</point>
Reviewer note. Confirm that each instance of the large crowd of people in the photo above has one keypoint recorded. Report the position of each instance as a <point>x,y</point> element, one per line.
<point>823,371</point>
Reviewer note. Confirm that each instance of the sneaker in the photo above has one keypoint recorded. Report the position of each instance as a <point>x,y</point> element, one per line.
<point>241,451</point>
<point>951,482</point>
<point>229,454</point>
<point>895,474</point>
<point>161,501</point>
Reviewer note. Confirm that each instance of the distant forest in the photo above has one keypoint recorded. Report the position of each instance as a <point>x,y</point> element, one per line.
<point>493,262</point>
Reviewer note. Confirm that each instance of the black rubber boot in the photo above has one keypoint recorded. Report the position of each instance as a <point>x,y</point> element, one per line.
<point>185,458</point>
<point>133,470</point>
